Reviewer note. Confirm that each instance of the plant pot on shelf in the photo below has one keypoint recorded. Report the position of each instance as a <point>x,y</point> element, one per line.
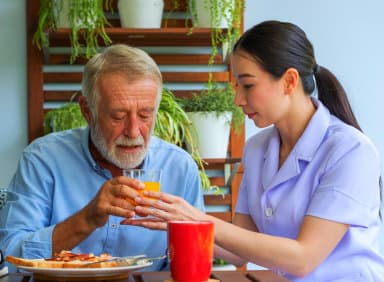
<point>140,13</point>
<point>85,19</point>
<point>64,12</point>
<point>212,133</point>
<point>214,104</point>
<point>212,13</point>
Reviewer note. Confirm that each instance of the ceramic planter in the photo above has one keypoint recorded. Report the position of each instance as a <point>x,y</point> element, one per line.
<point>62,16</point>
<point>201,14</point>
<point>213,133</point>
<point>140,13</point>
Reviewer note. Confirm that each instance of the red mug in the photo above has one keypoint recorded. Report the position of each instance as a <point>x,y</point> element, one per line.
<point>190,250</point>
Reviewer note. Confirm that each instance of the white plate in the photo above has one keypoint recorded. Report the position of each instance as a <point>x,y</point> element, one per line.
<point>85,272</point>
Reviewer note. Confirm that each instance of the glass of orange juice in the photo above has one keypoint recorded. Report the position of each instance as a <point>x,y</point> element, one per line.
<point>150,177</point>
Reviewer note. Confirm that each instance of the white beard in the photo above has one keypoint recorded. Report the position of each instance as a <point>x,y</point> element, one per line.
<point>119,159</point>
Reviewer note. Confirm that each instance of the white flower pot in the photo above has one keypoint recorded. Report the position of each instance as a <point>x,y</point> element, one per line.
<point>202,16</point>
<point>213,133</point>
<point>62,16</point>
<point>141,13</point>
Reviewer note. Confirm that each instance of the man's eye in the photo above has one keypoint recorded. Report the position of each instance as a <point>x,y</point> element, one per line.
<point>247,86</point>
<point>145,117</point>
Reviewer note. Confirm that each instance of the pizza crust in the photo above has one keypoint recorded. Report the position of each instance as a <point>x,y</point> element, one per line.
<point>65,259</point>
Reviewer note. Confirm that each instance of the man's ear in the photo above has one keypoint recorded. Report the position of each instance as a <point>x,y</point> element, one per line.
<point>85,111</point>
<point>291,80</point>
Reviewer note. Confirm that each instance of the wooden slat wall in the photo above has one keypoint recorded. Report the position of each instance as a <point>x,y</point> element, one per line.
<point>52,81</point>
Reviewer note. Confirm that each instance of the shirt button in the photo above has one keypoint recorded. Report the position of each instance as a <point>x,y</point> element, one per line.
<point>113,225</point>
<point>268,212</point>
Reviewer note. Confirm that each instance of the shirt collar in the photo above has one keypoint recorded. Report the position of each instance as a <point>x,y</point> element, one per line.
<point>314,133</point>
<point>311,138</point>
<point>305,148</point>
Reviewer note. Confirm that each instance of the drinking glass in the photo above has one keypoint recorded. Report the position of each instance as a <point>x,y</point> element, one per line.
<point>150,177</point>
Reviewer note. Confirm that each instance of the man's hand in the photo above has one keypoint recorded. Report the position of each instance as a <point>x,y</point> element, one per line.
<point>115,197</point>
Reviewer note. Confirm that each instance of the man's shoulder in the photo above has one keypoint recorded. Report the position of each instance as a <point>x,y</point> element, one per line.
<point>65,138</point>
<point>163,153</point>
<point>161,146</point>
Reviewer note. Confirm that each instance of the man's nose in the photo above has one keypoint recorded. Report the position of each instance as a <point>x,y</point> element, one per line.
<point>131,127</point>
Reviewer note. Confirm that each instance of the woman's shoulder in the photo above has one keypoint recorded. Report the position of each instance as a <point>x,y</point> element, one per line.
<point>342,138</point>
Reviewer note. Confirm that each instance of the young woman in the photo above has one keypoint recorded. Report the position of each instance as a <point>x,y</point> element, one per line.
<point>309,200</point>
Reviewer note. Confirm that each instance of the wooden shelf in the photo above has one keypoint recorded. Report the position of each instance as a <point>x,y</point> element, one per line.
<point>145,37</point>
<point>223,161</point>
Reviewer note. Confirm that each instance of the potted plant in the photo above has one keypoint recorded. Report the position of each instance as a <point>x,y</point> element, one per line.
<point>224,17</point>
<point>172,124</point>
<point>140,13</point>
<point>85,19</point>
<point>212,113</point>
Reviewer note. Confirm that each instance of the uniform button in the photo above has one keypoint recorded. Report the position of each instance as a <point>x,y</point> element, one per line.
<point>268,212</point>
<point>113,225</point>
<point>280,273</point>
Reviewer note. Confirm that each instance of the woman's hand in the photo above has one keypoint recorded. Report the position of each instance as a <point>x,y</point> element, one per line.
<point>162,208</point>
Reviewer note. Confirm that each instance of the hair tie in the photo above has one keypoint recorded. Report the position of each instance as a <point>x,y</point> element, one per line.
<point>316,68</point>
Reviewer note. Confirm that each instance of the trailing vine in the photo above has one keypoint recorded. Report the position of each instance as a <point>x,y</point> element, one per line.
<point>87,23</point>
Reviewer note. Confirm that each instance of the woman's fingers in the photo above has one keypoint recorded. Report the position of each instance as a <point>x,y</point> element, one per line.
<point>150,223</point>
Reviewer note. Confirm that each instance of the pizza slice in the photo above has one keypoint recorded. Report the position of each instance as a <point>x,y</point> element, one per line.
<point>66,259</point>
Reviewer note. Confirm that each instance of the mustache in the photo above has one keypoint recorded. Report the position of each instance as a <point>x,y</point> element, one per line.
<point>124,141</point>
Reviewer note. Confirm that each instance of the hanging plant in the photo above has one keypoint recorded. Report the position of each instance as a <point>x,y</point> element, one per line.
<point>224,18</point>
<point>219,11</point>
<point>85,18</point>
<point>173,125</point>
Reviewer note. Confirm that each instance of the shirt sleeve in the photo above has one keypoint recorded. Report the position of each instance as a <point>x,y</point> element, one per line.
<point>24,228</point>
<point>348,190</point>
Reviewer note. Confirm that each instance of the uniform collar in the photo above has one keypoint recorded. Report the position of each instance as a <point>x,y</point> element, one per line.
<point>304,150</point>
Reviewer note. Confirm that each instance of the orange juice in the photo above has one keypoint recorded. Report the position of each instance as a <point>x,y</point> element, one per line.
<point>150,177</point>
<point>151,186</point>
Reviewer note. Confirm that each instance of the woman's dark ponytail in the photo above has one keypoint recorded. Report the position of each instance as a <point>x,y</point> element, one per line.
<point>332,94</point>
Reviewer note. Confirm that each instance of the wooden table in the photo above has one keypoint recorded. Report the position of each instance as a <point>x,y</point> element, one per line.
<point>223,276</point>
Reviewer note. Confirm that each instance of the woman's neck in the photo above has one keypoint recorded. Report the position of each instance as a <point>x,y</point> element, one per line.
<point>294,125</point>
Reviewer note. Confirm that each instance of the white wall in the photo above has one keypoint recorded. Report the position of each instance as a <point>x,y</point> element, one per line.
<point>13,117</point>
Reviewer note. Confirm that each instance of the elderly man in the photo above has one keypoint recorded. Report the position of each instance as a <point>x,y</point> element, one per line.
<point>71,192</point>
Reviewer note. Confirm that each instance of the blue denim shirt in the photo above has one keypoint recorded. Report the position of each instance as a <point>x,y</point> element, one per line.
<point>57,176</point>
